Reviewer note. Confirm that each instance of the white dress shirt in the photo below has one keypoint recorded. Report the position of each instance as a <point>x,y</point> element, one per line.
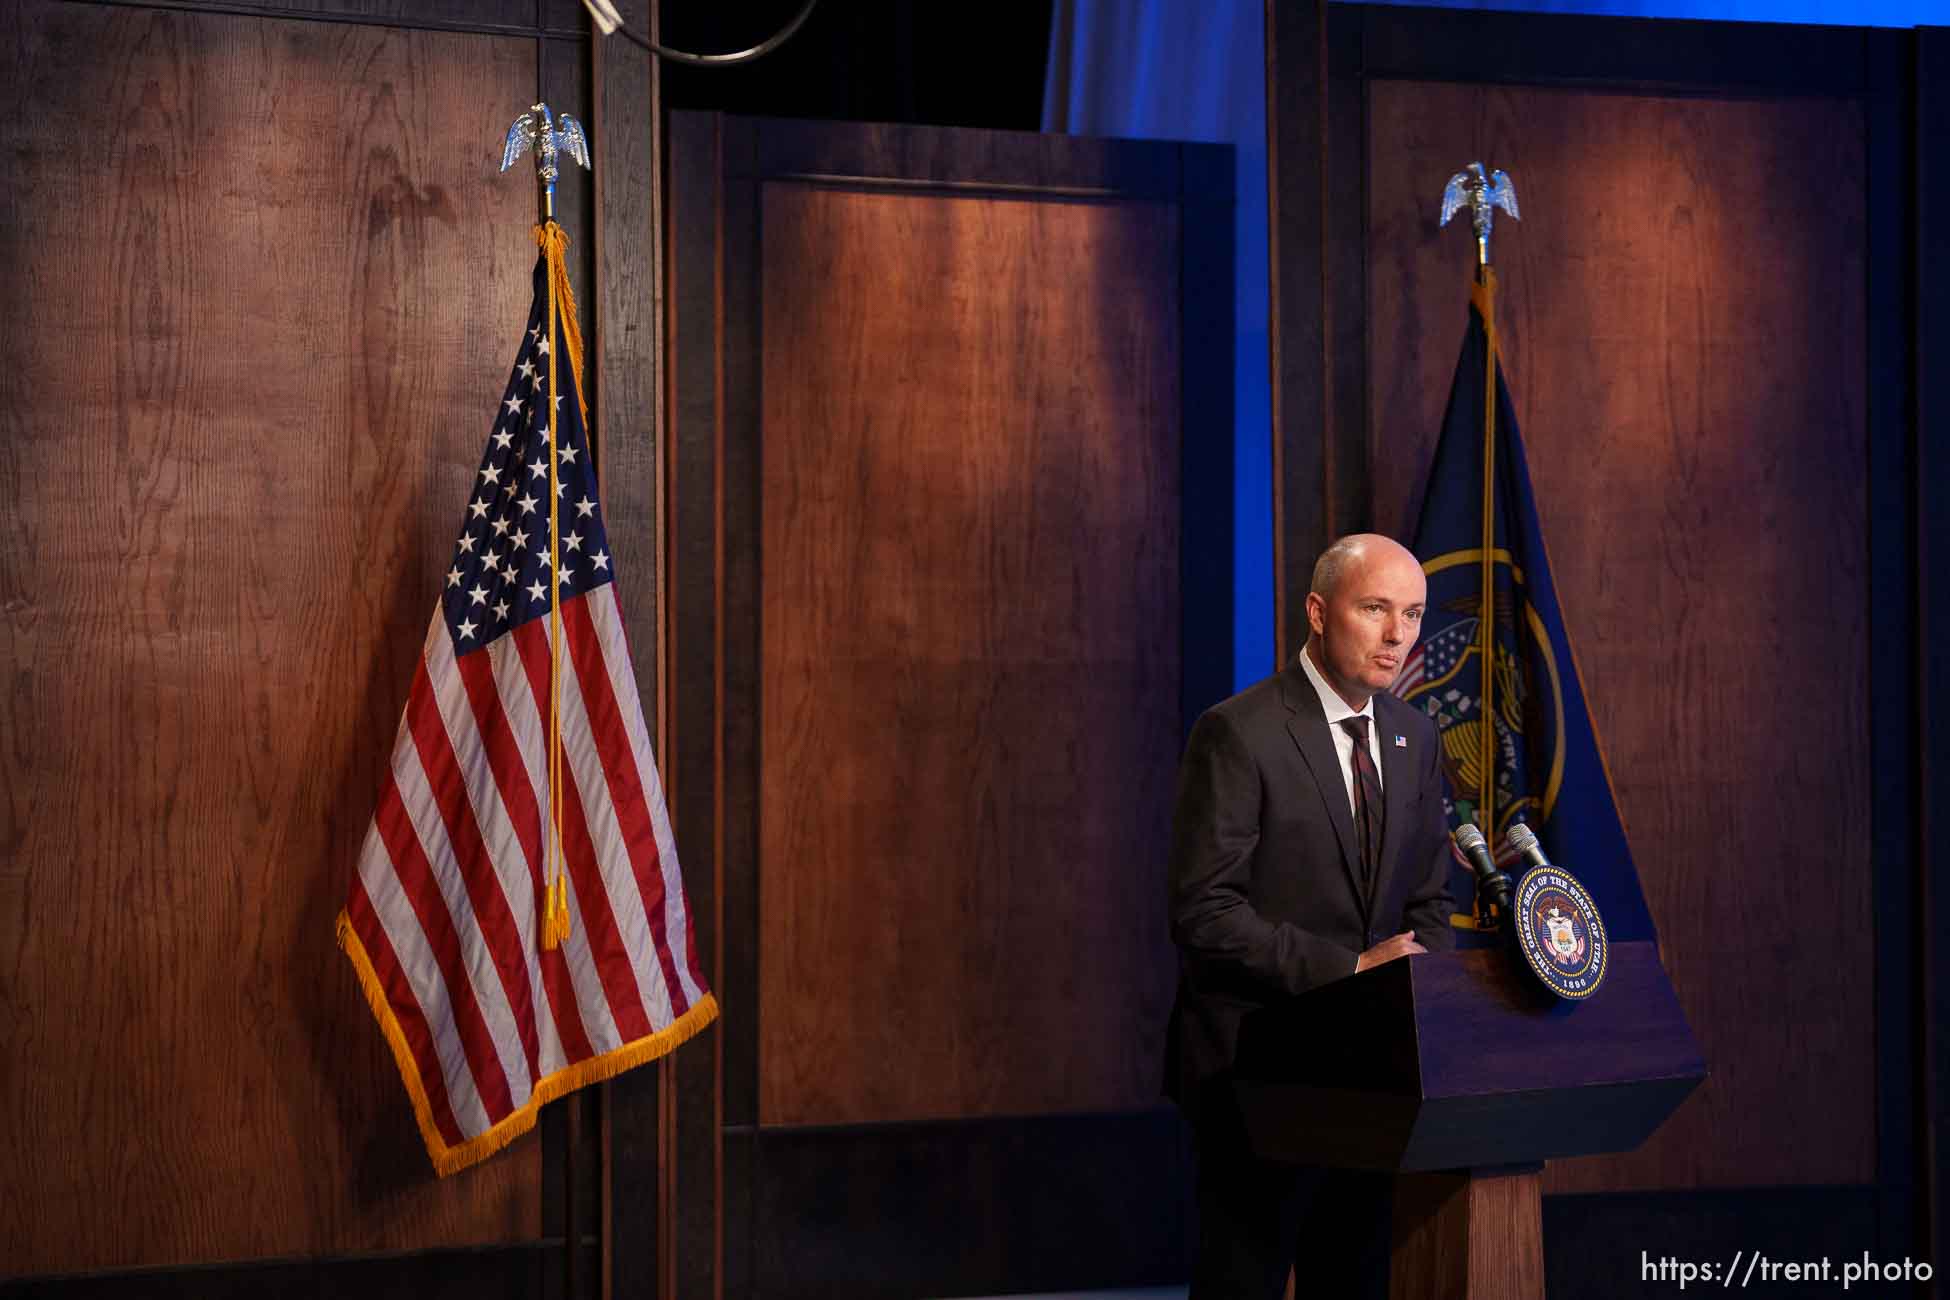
<point>1336,709</point>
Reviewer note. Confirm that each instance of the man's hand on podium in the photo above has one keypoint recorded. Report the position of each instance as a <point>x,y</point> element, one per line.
<point>1387,950</point>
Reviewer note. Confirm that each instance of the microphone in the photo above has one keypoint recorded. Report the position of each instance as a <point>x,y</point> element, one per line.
<point>1521,838</point>
<point>1494,884</point>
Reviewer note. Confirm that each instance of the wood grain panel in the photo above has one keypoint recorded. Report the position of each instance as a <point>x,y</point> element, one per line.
<point>969,720</point>
<point>1462,1236</point>
<point>266,284</point>
<point>1687,356</point>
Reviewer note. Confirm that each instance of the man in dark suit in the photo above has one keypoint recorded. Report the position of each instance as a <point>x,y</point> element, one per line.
<point>1309,843</point>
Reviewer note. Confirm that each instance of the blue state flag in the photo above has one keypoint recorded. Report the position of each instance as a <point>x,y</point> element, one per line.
<point>1540,756</point>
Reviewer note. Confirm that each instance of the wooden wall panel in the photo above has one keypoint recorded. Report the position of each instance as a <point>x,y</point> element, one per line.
<point>1687,357</point>
<point>969,718</point>
<point>263,280</point>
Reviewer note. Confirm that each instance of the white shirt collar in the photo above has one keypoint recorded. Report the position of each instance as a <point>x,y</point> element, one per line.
<point>1331,704</point>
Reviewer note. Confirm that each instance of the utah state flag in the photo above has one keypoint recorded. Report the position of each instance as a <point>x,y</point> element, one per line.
<point>1540,754</point>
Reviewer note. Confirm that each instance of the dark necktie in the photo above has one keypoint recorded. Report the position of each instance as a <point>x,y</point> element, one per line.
<point>1367,799</point>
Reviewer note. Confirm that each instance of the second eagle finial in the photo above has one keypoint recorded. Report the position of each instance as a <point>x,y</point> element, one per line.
<point>1483,191</point>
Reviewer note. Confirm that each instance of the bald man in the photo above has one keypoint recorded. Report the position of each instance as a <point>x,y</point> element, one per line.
<point>1309,842</point>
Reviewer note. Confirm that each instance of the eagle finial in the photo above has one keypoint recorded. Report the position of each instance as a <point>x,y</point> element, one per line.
<point>1484,192</point>
<point>549,136</point>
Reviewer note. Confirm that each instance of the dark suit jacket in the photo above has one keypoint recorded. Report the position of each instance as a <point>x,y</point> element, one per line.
<point>1265,896</point>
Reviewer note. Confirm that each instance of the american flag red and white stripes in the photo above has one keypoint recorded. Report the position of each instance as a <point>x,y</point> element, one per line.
<point>444,921</point>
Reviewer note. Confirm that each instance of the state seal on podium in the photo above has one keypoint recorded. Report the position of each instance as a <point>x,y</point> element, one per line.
<point>1560,933</point>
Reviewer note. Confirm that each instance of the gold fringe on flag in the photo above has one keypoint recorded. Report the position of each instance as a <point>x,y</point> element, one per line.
<point>451,1159</point>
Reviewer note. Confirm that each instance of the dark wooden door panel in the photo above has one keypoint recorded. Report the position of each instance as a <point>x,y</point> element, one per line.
<point>970,704</point>
<point>944,443</point>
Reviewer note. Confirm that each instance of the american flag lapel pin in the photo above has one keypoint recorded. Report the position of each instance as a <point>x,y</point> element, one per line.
<point>1401,742</point>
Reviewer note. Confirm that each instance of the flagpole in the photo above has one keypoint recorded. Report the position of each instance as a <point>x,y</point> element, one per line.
<point>555,909</point>
<point>1484,190</point>
<point>550,137</point>
<point>540,129</point>
<point>1486,625</point>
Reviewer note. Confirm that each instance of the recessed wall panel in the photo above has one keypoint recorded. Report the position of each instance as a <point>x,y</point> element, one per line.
<point>969,722</point>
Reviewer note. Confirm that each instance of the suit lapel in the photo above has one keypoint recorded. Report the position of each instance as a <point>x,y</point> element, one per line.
<point>1308,727</point>
<point>1397,781</point>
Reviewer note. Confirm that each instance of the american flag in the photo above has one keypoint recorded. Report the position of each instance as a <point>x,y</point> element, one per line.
<point>443,921</point>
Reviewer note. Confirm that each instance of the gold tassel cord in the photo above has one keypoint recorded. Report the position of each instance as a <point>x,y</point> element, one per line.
<point>554,242</point>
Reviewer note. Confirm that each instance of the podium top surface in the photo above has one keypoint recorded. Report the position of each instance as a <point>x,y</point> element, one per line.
<point>1473,1023</point>
<point>1458,1059</point>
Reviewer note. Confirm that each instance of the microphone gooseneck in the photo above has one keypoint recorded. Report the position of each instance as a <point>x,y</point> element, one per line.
<point>1493,883</point>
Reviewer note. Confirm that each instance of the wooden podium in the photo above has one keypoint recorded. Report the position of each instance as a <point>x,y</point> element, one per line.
<point>1459,1067</point>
